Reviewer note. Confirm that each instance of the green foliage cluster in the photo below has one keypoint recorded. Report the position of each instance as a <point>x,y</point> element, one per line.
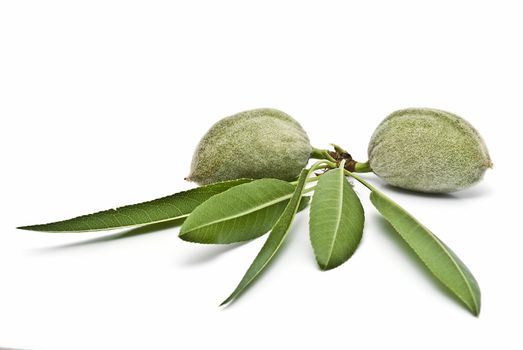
<point>419,149</point>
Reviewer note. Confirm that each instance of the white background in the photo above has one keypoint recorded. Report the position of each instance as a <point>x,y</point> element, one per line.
<point>102,103</point>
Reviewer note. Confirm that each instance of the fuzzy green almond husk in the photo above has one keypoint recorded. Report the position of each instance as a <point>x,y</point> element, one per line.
<point>259,143</point>
<point>428,150</point>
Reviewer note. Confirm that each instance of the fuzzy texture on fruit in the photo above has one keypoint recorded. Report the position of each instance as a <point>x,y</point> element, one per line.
<point>259,143</point>
<point>428,150</point>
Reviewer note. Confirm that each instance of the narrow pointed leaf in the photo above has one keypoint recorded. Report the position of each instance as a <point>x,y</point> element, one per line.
<point>336,220</point>
<point>438,258</point>
<point>274,241</point>
<point>176,206</point>
<point>242,213</point>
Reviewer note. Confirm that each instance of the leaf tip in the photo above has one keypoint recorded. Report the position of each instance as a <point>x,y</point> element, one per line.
<point>226,301</point>
<point>328,267</point>
<point>27,228</point>
<point>475,309</point>
<point>323,267</point>
<point>476,313</point>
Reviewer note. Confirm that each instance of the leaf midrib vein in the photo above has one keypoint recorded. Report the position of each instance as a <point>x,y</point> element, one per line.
<point>338,219</point>
<point>242,213</point>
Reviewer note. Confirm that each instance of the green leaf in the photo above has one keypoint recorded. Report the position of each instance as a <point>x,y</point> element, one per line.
<point>174,207</point>
<point>336,220</point>
<point>239,214</point>
<point>438,258</point>
<point>274,241</point>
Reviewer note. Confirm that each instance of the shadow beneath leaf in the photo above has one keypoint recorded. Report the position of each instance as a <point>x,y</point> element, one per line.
<point>209,252</point>
<point>395,239</point>
<point>133,232</point>
<point>469,193</point>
